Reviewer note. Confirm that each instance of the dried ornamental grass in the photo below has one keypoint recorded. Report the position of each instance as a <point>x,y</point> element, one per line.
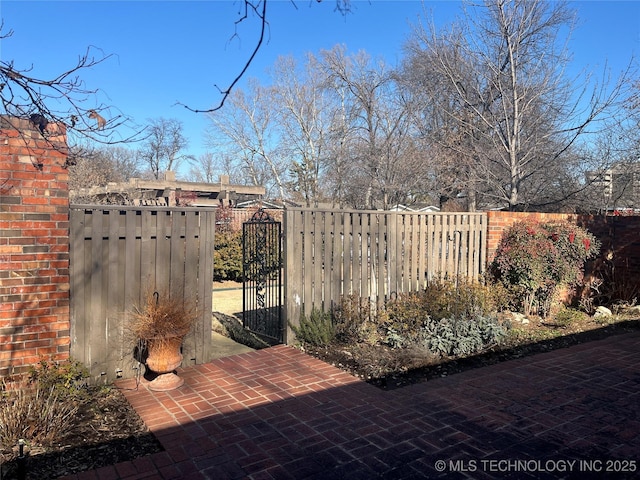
<point>40,416</point>
<point>162,316</point>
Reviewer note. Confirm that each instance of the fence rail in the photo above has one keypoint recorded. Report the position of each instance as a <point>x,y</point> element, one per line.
<point>117,255</point>
<point>373,254</point>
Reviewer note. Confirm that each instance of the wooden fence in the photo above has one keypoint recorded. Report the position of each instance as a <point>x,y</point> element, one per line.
<point>374,254</point>
<point>119,253</point>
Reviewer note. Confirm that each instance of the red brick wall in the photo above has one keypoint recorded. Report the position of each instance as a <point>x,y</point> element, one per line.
<point>620,237</point>
<point>34,246</point>
<point>498,222</point>
<point>241,215</point>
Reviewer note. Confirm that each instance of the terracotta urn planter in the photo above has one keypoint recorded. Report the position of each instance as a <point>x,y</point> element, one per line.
<point>163,358</point>
<point>158,326</point>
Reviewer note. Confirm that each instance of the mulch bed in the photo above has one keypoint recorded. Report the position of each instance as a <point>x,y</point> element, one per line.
<point>389,369</point>
<point>107,431</point>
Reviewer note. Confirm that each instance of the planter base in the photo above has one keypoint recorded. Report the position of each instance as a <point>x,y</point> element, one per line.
<point>165,382</point>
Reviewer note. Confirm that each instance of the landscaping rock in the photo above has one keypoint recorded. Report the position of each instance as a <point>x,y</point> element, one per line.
<point>230,326</point>
<point>602,312</point>
<point>519,318</point>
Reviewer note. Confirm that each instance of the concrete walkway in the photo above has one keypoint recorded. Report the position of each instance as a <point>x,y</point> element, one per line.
<point>225,347</point>
<point>278,413</point>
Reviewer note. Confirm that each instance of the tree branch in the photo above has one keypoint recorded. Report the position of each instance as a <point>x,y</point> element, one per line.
<point>59,100</point>
<point>262,15</point>
<point>259,7</point>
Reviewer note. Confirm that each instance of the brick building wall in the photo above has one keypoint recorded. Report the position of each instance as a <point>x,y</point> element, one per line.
<point>34,246</point>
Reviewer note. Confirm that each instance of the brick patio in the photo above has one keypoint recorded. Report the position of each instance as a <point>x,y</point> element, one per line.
<point>278,413</point>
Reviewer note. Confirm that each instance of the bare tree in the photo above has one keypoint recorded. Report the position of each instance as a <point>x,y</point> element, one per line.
<point>614,171</point>
<point>445,140</point>
<point>629,136</point>
<point>502,84</point>
<point>98,167</point>
<point>245,130</point>
<point>162,148</point>
<point>303,118</point>
<point>203,169</point>
<point>209,166</point>
<point>103,165</point>
<point>378,126</point>
<point>336,124</point>
<point>340,169</point>
<point>125,160</point>
<point>90,171</point>
<point>63,99</point>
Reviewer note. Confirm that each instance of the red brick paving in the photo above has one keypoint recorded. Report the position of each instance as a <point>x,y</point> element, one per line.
<point>280,414</point>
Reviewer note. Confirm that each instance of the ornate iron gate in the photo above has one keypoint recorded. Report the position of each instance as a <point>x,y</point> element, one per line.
<point>262,277</point>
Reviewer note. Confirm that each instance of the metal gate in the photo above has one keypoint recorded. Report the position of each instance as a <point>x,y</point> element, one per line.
<point>262,277</point>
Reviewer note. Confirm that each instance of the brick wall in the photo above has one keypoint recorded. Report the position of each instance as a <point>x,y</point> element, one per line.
<point>620,237</point>
<point>498,222</point>
<point>34,246</point>
<point>241,215</point>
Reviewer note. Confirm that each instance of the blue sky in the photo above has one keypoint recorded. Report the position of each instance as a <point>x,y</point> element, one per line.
<point>177,51</point>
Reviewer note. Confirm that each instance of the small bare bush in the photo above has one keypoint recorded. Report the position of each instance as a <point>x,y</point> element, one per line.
<point>461,299</point>
<point>354,321</point>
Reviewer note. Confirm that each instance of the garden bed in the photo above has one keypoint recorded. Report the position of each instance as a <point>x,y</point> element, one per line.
<point>106,430</point>
<point>389,368</point>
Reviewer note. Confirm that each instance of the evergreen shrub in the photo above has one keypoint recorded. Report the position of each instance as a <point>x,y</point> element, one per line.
<point>316,329</point>
<point>533,259</point>
<point>227,256</point>
<point>227,249</point>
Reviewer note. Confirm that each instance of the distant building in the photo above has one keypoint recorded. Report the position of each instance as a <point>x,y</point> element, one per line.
<point>617,187</point>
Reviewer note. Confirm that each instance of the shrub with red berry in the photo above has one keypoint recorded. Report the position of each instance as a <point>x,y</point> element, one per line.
<point>533,259</point>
